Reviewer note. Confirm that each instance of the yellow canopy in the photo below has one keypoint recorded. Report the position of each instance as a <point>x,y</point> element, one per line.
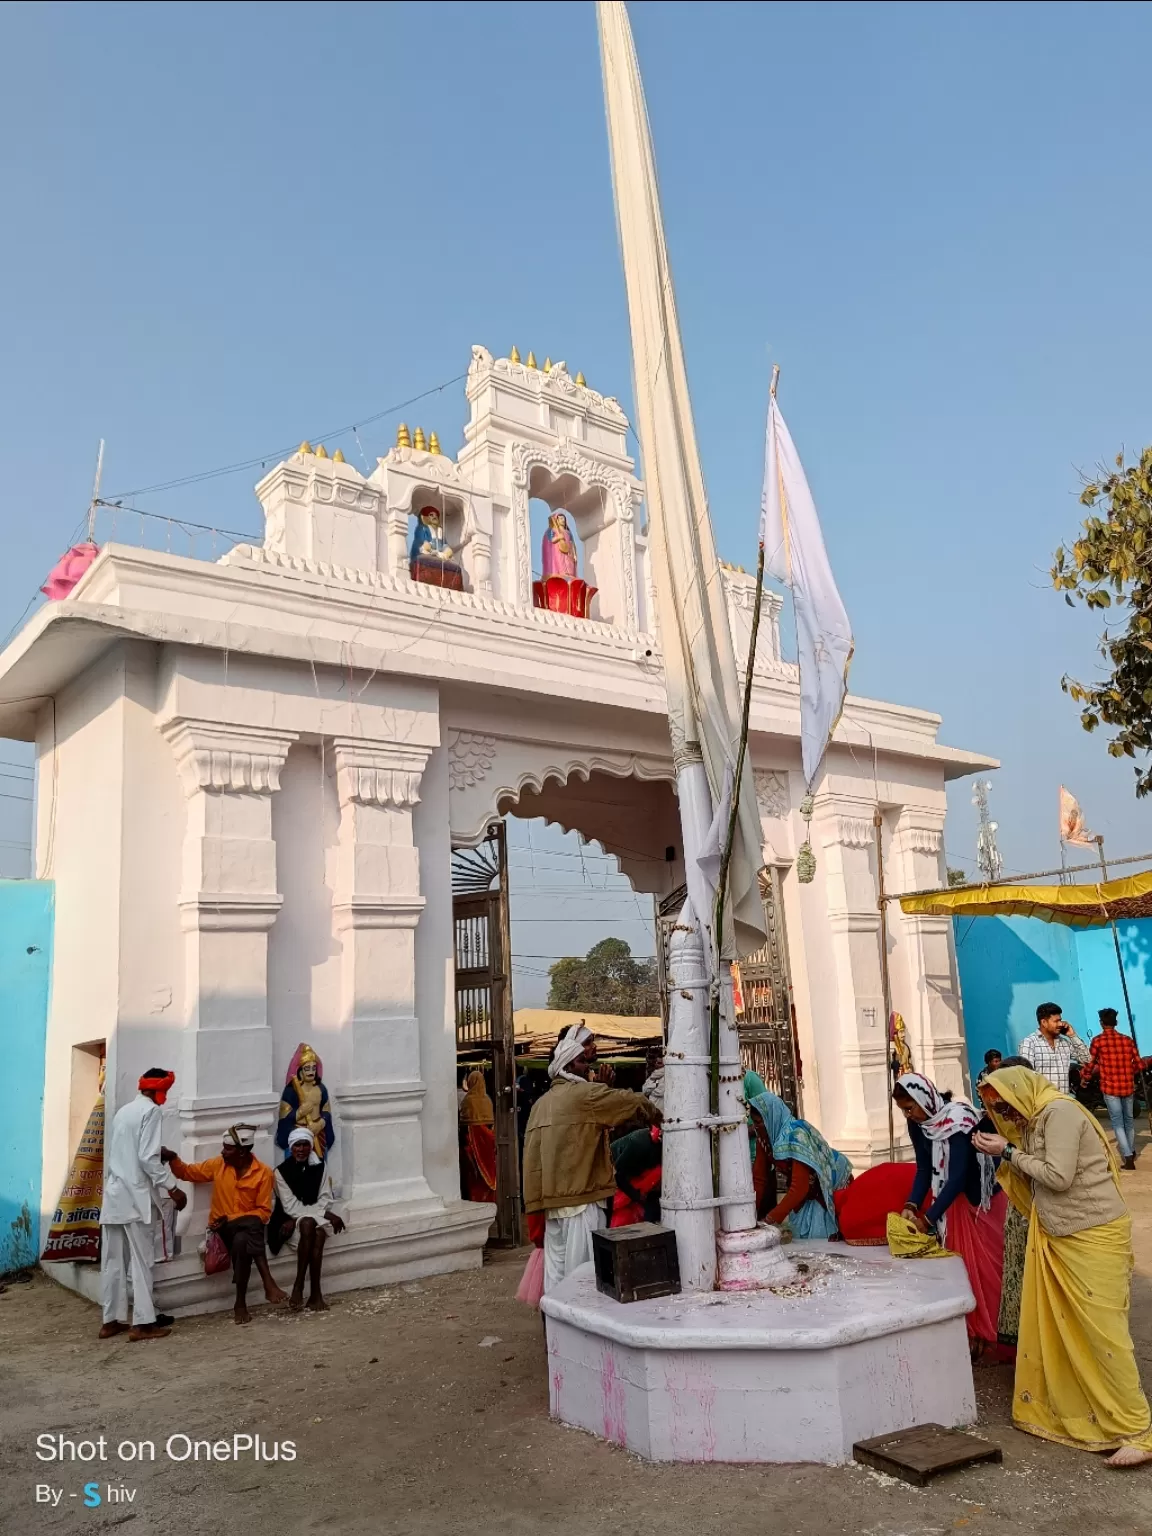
<point>1077,906</point>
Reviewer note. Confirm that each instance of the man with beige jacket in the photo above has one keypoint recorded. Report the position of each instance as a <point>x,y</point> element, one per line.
<point>567,1165</point>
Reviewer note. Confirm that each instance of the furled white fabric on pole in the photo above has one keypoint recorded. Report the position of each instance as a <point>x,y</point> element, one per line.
<point>794,553</point>
<point>704,703</point>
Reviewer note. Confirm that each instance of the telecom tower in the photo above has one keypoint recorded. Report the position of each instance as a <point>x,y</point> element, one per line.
<point>988,859</point>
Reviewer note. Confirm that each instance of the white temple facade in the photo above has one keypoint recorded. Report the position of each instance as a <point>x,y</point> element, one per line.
<point>252,773</point>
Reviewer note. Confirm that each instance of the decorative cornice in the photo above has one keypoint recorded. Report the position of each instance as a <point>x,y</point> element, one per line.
<point>379,773</point>
<point>377,912</point>
<point>557,382</point>
<point>848,831</point>
<point>470,755</point>
<point>233,758</point>
<point>919,839</point>
<point>229,912</point>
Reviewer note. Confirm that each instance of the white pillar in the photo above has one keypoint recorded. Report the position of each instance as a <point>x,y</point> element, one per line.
<point>228,902</point>
<point>739,1215</point>
<point>377,905</point>
<point>687,1163</point>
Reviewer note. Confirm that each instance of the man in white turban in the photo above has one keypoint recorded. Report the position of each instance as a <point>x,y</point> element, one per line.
<point>568,1170</point>
<point>303,1219</point>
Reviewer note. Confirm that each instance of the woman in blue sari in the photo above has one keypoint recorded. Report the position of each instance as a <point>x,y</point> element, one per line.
<point>814,1171</point>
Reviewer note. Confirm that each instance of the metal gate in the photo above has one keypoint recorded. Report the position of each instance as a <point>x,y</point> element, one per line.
<point>766,1021</point>
<point>484,1032</point>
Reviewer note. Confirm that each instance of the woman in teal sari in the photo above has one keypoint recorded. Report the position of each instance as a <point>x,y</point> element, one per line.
<point>814,1171</point>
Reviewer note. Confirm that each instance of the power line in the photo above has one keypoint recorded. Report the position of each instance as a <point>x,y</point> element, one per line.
<point>279,453</point>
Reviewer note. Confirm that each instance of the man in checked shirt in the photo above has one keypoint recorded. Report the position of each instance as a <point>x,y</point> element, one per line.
<point>1116,1062</point>
<point>1054,1047</point>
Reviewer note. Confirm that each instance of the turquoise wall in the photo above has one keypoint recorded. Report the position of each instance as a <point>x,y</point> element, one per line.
<point>25,968</point>
<point>1009,965</point>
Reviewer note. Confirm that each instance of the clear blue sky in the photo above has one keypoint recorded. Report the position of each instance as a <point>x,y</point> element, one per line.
<point>229,227</point>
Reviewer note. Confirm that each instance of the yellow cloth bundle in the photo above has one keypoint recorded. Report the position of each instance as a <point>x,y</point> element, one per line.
<point>906,1241</point>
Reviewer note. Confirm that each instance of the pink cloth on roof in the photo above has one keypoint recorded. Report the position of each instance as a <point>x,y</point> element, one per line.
<point>68,570</point>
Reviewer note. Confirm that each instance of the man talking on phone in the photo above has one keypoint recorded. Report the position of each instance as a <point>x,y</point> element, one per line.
<point>1054,1047</point>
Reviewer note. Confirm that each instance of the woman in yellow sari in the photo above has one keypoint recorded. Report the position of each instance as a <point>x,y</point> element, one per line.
<point>1076,1376</point>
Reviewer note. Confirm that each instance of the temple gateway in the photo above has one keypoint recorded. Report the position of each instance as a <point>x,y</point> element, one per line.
<point>256,776</point>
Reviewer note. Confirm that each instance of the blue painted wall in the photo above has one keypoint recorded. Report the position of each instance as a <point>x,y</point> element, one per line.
<point>1009,965</point>
<point>25,969</point>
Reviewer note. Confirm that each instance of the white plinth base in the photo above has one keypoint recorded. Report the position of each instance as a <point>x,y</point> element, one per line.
<point>406,1246</point>
<point>878,1345</point>
<point>752,1260</point>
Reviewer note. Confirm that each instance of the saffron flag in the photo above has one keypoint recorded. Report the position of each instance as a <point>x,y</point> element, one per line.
<point>1073,828</point>
<point>794,553</point>
<point>704,702</point>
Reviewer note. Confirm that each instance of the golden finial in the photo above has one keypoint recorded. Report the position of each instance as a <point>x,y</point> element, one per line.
<point>403,437</point>
<point>514,355</point>
<point>582,381</point>
<point>531,359</point>
<point>338,456</point>
<point>321,451</point>
<point>547,365</point>
<point>433,443</point>
<point>418,439</point>
<point>305,447</point>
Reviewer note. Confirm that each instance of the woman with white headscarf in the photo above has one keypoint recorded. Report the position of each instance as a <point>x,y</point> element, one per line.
<point>967,1208</point>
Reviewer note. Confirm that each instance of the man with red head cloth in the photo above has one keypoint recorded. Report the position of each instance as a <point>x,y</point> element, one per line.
<point>136,1180</point>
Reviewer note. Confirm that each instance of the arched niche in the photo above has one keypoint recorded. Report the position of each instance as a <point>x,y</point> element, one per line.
<point>636,820</point>
<point>455,521</point>
<point>598,504</point>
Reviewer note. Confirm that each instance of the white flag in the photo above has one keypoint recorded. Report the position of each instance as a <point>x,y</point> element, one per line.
<point>1073,828</point>
<point>794,553</point>
<point>704,701</point>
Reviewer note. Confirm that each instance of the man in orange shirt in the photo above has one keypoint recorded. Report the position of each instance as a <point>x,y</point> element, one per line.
<point>242,1189</point>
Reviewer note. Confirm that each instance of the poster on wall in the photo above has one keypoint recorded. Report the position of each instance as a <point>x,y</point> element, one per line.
<point>74,1236</point>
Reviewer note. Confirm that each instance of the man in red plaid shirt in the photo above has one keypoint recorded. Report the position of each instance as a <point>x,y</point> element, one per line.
<point>1115,1061</point>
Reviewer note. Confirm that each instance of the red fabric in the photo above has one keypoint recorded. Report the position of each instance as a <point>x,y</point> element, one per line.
<point>215,1254</point>
<point>480,1162</point>
<point>862,1209</point>
<point>68,570</point>
<point>978,1237</point>
<point>626,1211</point>
<point>1115,1061</point>
<point>531,1286</point>
<point>536,1220</point>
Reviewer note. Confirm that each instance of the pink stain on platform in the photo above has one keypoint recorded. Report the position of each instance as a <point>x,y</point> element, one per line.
<point>615,1416</point>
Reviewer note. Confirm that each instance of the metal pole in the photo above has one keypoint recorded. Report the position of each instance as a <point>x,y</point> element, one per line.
<point>1124,986</point>
<point>885,979</point>
<point>1039,874</point>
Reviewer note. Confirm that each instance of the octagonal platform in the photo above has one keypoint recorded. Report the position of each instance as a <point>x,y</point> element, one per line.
<point>862,1345</point>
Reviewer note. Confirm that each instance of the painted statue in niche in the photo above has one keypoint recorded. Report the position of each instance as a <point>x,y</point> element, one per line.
<point>430,557</point>
<point>558,553</point>
<point>305,1102</point>
<point>559,589</point>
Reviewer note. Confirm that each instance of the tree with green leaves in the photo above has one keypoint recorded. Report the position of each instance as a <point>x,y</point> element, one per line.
<point>607,980</point>
<point>1109,567</point>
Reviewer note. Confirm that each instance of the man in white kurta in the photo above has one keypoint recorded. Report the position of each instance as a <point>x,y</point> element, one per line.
<point>136,1180</point>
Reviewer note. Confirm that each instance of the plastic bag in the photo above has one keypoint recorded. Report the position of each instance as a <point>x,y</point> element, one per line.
<point>214,1254</point>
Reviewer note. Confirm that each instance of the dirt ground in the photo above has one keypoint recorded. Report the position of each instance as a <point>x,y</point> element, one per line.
<point>408,1418</point>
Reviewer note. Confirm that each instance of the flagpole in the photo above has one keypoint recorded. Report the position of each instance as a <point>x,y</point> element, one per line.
<point>1124,987</point>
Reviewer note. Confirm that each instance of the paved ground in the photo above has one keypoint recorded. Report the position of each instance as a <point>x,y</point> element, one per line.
<point>405,1421</point>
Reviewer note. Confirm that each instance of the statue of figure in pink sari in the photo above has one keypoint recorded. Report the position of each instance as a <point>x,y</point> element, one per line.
<point>558,553</point>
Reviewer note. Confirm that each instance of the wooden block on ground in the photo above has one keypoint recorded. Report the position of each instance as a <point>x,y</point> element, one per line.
<point>920,1454</point>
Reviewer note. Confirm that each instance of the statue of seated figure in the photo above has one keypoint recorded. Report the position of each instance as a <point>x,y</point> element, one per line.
<point>560,590</point>
<point>430,558</point>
